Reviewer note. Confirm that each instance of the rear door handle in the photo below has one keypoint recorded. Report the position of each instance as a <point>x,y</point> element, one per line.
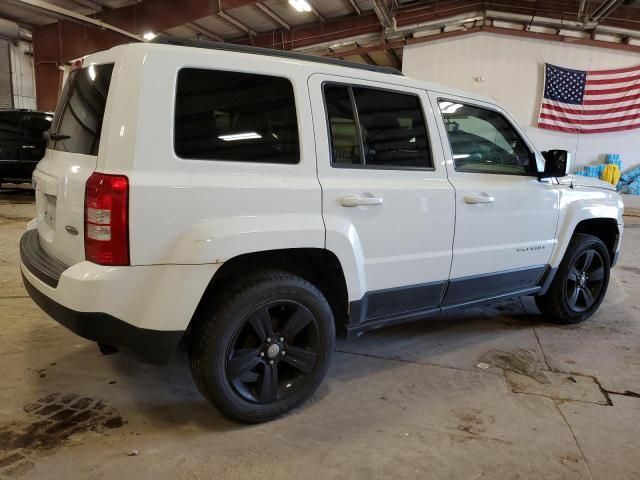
<point>482,198</point>
<point>356,201</point>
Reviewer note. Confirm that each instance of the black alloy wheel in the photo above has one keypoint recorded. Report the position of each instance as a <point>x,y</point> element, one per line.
<point>262,344</point>
<point>273,352</point>
<point>580,282</point>
<point>585,280</point>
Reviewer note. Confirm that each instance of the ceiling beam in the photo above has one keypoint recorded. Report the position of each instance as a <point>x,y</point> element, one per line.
<point>383,13</point>
<point>156,15</point>
<point>95,6</point>
<point>368,58</point>
<point>364,55</point>
<point>386,45</point>
<point>273,15</point>
<point>604,10</point>
<point>581,10</point>
<point>315,11</point>
<point>354,6</point>
<point>204,32</point>
<point>60,12</point>
<point>236,23</point>
<point>623,18</point>
<point>393,58</point>
<point>353,26</point>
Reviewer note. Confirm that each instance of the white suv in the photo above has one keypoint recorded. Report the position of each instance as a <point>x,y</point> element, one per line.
<point>262,200</point>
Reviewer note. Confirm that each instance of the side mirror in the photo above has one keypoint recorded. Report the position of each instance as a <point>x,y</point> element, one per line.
<point>557,164</point>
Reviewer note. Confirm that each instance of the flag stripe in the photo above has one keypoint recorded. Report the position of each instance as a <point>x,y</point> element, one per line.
<point>582,130</point>
<point>588,128</point>
<point>609,101</point>
<point>588,108</point>
<point>605,81</point>
<point>618,70</point>
<point>584,111</point>
<point>596,121</point>
<point>609,91</point>
<point>560,128</point>
<point>606,118</point>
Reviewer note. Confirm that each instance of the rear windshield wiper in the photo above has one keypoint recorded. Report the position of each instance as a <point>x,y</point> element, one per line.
<point>58,136</point>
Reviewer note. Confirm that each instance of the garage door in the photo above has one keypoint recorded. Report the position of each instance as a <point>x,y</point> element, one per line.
<point>6,94</point>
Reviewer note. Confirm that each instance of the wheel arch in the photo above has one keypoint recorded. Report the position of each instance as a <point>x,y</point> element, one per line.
<point>318,266</point>
<point>606,229</point>
<point>601,217</point>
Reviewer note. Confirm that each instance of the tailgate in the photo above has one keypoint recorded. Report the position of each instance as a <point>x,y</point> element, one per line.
<point>70,159</point>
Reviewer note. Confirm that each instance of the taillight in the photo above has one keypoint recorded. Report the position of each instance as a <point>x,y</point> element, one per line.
<point>106,222</point>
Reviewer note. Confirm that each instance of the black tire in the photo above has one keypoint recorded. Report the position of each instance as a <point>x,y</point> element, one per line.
<point>230,338</point>
<point>580,284</point>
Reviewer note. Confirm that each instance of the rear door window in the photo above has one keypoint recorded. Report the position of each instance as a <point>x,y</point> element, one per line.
<point>393,129</point>
<point>376,128</point>
<point>78,119</point>
<point>345,143</point>
<point>235,116</point>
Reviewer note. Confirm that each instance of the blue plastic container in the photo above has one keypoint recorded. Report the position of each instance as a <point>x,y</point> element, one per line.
<point>592,171</point>
<point>614,158</point>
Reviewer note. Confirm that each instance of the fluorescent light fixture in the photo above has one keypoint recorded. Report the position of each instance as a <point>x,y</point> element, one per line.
<point>149,36</point>
<point>461,155</point>
<point>239,136</point>
<point>92,72</point>
<point>300,5</point>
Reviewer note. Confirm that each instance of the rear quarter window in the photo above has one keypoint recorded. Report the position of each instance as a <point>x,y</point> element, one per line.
<point>78,118</point>
<point>233,116</point>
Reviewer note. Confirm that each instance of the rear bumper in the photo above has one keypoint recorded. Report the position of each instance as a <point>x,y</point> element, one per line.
<point>144,309</point>
<point>153,346</point>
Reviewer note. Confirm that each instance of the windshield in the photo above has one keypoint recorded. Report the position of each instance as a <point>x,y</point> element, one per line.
<point>78,118</point>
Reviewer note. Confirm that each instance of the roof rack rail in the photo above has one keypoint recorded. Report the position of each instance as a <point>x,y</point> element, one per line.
<point>185,42</point>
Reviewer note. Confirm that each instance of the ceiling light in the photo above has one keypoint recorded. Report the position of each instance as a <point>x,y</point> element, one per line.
<point>449,107</point>
<point>149,36</point>
<point>239,136</point>
<point>300,5</point>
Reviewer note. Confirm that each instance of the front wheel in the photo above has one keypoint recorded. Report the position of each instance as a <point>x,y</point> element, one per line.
<point>264,347</point>
<point>580,283</point>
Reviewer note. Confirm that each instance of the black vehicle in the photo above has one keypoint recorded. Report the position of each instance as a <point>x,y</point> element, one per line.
<point>22,143</point>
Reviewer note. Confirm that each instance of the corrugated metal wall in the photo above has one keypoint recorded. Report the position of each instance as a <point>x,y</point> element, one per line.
<point>24,95</point>
<point>6,90</point>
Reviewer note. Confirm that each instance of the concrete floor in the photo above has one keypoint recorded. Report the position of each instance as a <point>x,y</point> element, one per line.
<point>413,401</point>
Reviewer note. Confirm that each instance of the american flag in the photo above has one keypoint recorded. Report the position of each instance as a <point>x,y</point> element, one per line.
<point>595,101</point>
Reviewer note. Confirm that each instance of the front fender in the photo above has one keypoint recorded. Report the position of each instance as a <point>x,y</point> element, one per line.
<point>219,239</point>
<point>579,204</point>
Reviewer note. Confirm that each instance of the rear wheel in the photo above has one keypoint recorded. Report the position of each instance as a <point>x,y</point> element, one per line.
<point>263,347</point>
<point>580,283</point>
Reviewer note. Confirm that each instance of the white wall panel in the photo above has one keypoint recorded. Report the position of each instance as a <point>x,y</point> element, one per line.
<point>513,71</point>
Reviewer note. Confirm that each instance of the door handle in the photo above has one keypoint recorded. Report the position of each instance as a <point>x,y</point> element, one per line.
<point>356,201</point>
<point>482,198</point>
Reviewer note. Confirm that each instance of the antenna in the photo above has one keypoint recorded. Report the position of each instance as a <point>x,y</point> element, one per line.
<point>579,130</point>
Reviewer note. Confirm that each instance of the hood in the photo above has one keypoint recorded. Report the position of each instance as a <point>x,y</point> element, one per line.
<point>580,181</point>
